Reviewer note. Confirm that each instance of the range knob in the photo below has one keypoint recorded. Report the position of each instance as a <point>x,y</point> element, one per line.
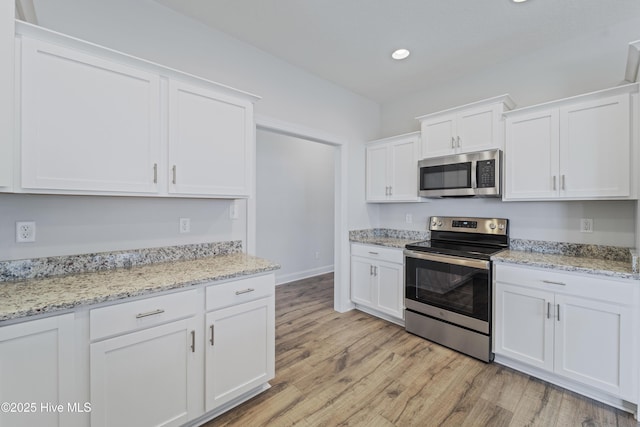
<point>500,226</point>
<point>439,223</point>
<point>492,226</point>
<point>433,223</point>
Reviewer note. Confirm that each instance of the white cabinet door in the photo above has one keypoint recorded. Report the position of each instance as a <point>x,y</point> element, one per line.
<point>439,136</point>
<point>595,148</point>
<point>392,169</point>
<point>531,156</point>
<point>478,129</point>
<point>240,350</point>
<point>388,287</point>
<point>361,281</point>
<point>210,138</point>
<point>403,181</point>
<point>146,378</point>
<point>36,366</point>
<point>590,346</point>
<point>523,327</point>
<point>377,186</point>
<point>87,124</point>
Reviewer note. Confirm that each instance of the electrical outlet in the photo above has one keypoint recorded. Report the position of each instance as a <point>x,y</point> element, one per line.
<point>408,218</point>
<point>317,255</point>
<point>233,210</point>
<point>25,231</point>
<point>586,225</point>
<point>185,225</point>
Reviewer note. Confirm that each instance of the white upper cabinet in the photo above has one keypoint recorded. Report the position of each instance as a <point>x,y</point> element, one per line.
<point>471,127</point>
<point>209,141</point>
<point>87,123</point>
<point>580,148</point>
<point>392,169</point>
<point>95,121</point>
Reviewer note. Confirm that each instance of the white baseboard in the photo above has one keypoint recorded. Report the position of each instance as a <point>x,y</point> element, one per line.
<point>299,275</point>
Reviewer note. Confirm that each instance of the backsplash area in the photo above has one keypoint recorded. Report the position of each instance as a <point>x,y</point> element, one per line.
<point>86,263</point>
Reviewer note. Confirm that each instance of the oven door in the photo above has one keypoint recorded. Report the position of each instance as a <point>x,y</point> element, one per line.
<point>454,289</point>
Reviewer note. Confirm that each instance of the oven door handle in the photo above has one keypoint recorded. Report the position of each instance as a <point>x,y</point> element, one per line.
<point>448,259</point>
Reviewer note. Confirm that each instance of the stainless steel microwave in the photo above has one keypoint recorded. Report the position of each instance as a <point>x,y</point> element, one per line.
<point>461,175</point>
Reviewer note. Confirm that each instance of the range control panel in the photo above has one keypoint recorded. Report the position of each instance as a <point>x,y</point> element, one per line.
<point>469,225</point>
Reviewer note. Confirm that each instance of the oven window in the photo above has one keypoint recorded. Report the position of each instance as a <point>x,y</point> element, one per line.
<point>442,177</point>
<point>464,290</point>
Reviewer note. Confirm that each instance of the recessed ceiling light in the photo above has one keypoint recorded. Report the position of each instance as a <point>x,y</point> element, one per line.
<point>400,54</point>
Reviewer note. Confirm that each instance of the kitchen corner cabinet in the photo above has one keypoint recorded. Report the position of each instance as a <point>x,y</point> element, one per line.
<point>377,280</point>
<point>574,149</point>
<point>240,339</point>
<point>573,330</point>
<point>472,127</point>
<point>36,367</point>
<point>95,121</point>
<point>392,169</point>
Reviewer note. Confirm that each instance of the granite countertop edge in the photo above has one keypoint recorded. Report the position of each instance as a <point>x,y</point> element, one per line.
<point>592,266</point>
<point>35,297</point>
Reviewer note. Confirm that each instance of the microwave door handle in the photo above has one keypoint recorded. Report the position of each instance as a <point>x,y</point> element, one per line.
<point>474,175</point>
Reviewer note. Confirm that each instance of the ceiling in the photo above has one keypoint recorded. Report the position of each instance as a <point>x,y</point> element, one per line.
<point>349,42</point>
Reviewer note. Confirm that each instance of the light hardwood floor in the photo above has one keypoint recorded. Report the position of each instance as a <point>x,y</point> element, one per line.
<point>340,369</point>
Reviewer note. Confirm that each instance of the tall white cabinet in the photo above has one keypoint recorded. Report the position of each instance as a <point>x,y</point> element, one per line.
<point>583,147</point>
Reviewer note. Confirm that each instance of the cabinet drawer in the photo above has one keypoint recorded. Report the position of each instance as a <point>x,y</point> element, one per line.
<point>378,252</point>
<point>144,313</point>
<point>595,287</point>
<point>239,291</point>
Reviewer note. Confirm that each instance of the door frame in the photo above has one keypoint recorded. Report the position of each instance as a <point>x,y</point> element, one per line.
<point>341,299</point>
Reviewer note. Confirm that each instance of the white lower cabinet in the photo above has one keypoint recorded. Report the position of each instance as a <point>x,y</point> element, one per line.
<point>377,279</point>
<point>239,352</point>
<point>581,330</point>
<point>37,373</point>
<point>144,374</point>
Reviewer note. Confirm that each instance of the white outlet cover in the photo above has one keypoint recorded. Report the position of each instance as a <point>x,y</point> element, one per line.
<point>25,231</point>
<point>185,225</point>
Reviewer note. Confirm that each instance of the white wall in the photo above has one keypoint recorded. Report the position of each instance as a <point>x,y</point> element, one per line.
<point>295,205</point>
<point>578,66</point>
<point>145,29</point>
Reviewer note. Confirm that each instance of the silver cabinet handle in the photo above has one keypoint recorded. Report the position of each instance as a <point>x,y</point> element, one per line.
<point>551,282</point>
<point>458,142</point>
<point>371,270</point>
<point>374,253</point>
<point>245,291</point>
<point>558,305</point>
<point>390,190</point>
<point>211,340</point>
<point>453,142</point>
<point>554,182</point>
<point>155,173</point>
<point>149,313</point>
<point>173,170</point>
<point>562,185</point>
<point>548,310</point>
<point>375,271</point>
<point>193,341</point>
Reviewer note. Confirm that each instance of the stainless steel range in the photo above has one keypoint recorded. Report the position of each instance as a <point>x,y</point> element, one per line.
<point>448,283</point>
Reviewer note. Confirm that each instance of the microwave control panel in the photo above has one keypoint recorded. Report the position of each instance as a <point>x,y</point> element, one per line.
<point>486,173</point>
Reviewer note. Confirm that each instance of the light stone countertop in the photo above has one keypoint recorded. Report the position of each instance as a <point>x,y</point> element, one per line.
<point>596,266</point>
<point>384,241</point>
<point>38,296</point>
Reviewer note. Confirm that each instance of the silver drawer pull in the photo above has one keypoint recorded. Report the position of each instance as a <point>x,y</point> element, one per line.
<point>374,253</point>
<point>246,291</point>
<point>551,282</point>
<point>149,313</point>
